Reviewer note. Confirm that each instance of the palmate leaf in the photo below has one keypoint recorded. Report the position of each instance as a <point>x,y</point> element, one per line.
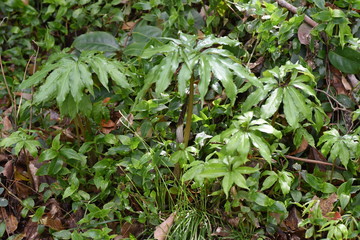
<point>67,80</point>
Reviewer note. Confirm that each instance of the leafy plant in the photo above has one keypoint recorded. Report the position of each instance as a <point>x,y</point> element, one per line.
<point>340,147</point>
<point>190,56</point>
<point>69,80</point>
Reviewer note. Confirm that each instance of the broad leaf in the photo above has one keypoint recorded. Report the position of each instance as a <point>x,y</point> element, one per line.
<point>98,41</point>
<point>346,60</point>
<point>272,103</point>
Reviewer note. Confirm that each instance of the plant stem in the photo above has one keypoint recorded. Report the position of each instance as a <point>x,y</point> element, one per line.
<point>189,113</point>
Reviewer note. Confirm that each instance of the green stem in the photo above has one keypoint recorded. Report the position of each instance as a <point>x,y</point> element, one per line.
<point>189,113</point>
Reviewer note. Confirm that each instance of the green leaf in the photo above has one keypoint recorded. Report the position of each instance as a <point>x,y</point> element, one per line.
<point>239,179</point>
<point>98,41</point>
<point>222,73</point>
<point>262,146</point>
<point>211,40</point>
<point>167,68</point>
<point>269,181</point>
<point>300,102</point>
<point>285,181</point>
<point>63,84</point>
<point>31,146</point>
<point>241,72</point>
<point>3,202</point>
<point>234,142</point>
<point>346,60</point>
<point>227,183</point>
<point>291,113</point>
<point>86,78</point>
<point>214,170</point>
<point>63,234</point>
<point>344,153</point>
<point>183,79</point>
<point>38,76</point>
<point>47,91</point>
<point>267,128</point>
<point>116,75</point>
<point>205,76</point>
<point>150,51</point>
<point>243,147</point>
<point>77,85</point>
<point>261,199</point>
<point>254,98</point>
<point>99,66</point>
<point>272,103</point>
<point>38,214</point>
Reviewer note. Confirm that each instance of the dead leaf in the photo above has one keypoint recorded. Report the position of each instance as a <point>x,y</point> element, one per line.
<point>162,230</point>
<point>293,219</point>
<point>234,222</point>
<point>8,170</point>
<point>26,96</point>
<point>7,125</point>
<point>33,171</point>
<point>336,81</point>
<point>53,223</point>
<point>128,25</point>
<point>221,232</point>
<point>134,228</point>
<point>11,224</point>
<point>327,205</point>
<point>304,33</point>
<point>55,209</point>
<point>346,84</point>
<point>258,62</point>
<point>316,155</point>
<point>107,123</point>
<point>303,146</point>
<point>31,230</point>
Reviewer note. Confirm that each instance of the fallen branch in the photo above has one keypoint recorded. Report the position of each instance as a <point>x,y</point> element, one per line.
<point>313,161</point>
<point>293,9</point>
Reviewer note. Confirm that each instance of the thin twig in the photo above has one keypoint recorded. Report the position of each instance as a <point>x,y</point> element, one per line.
<point>335,100</point>
<point>293,9</point>
<point>313,161</point>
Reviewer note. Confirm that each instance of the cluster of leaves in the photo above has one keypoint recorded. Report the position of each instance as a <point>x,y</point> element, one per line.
<point>255,86</point>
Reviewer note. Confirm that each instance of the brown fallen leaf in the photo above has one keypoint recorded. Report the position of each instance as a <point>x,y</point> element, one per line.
<point>128,25</point>
<point>11,224</point>
<point>304,35</point>
<point>53,223</point>
<point>31,230</point>
<point>162,230</point>
<point>7,125</point>
<point>303,146</point>
<point>336,81</point>
<point>27,96</point>
<point>327,205</point>
<point>293,219</point>
<point>134,228</point>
